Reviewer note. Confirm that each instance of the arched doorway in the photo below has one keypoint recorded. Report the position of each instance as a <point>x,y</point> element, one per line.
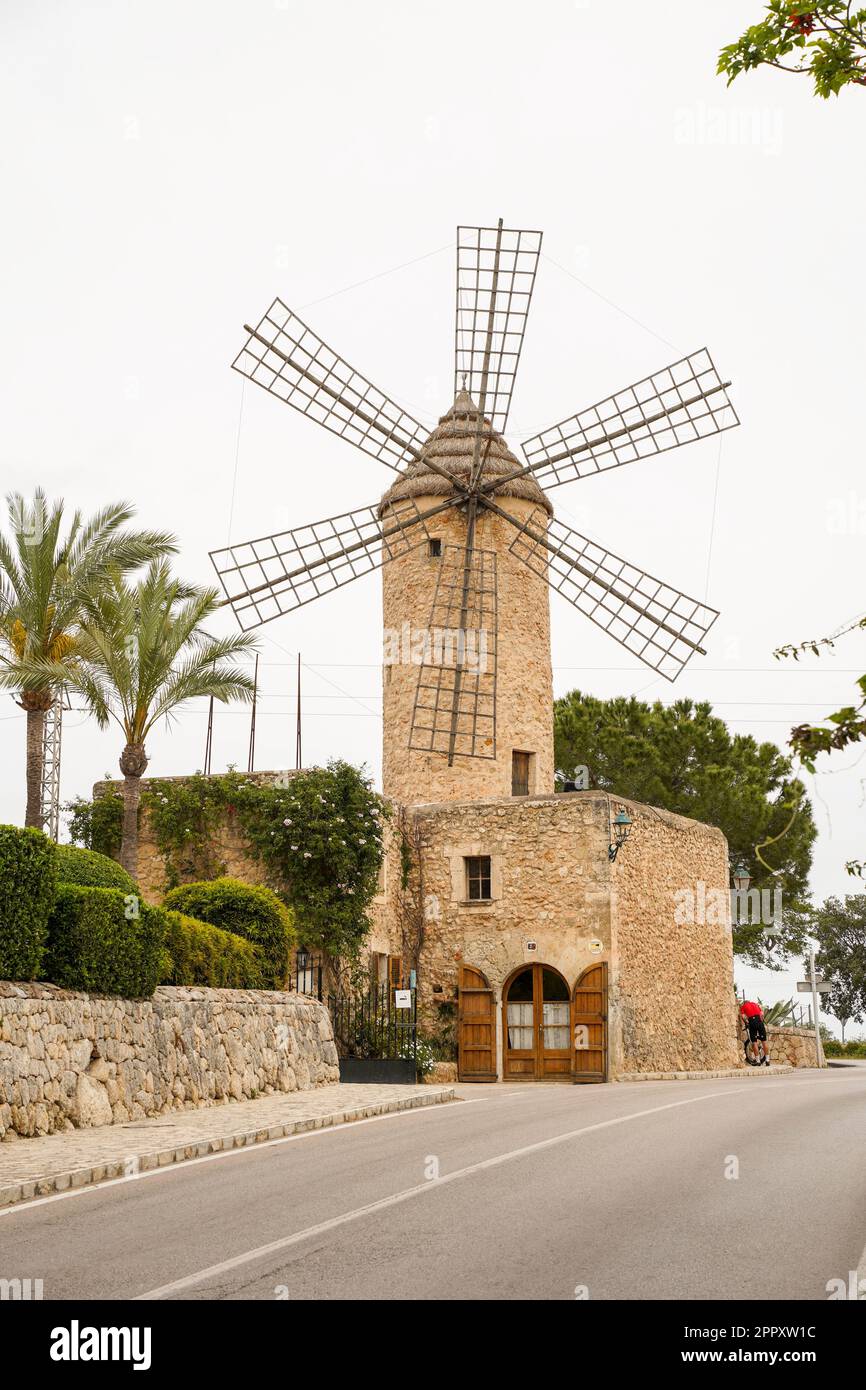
<point>536,1026</point>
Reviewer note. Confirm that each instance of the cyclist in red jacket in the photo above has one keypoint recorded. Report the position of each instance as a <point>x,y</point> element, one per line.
<point>753,1017</point>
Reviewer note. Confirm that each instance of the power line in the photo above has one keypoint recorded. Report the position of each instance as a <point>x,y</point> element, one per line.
<point>380,275</point>
<point>718,670</point>
<point>610,302</point>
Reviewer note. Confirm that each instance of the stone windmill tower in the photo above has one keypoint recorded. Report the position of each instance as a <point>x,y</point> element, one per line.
<point>504,705</point>
<point>466,535</point>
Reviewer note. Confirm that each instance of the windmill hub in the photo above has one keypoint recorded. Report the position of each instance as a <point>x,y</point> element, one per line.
<point>452,447</point>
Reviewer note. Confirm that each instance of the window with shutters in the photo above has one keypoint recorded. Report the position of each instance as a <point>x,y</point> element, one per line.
<point>477,877</point>
<point>379,968</point>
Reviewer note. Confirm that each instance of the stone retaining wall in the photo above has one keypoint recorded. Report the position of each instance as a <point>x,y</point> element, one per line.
<point>70,1060</point>
<point>793,1045</point>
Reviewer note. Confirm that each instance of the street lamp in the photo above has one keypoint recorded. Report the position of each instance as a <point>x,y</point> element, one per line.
<point>741,877</point>
<point>622,824</point>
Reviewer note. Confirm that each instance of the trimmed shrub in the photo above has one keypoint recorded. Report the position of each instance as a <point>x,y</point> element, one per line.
<point>91,870</point>
<point>834,1048</point>
<point>200,954</point>
<point>247,910</point>
<point>94,946</point>
<point>27,881</point>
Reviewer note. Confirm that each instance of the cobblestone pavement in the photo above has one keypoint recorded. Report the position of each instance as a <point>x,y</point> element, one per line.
<point>40,1167</point>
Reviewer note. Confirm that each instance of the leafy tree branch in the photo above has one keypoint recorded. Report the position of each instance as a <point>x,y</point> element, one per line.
<point>826,40</point>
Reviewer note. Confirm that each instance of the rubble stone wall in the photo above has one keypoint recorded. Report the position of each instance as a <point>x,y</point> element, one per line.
<point>70,1060</point>
<point>796,1046</point>
<point>672,977</point>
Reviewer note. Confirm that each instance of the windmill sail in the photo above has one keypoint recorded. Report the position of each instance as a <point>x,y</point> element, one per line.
<point>265,578</point>
<point>466,465</point>
<point>496,269</point>
<point>285,357</point>
<point>657,623</point>
<point>455,697</point>
<point>686,401</point>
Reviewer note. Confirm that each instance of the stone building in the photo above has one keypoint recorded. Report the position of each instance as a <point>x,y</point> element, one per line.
<point>551,958</point>
<point>547,955</point>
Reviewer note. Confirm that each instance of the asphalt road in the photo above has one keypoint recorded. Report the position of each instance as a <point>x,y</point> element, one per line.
<point>618,1191</point>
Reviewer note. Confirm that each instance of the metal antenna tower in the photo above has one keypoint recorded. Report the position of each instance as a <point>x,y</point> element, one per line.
<point>50,791</point>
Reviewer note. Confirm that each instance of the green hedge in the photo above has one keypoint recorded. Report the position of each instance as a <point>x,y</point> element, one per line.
<point>200,954</point>
<point>250,911</point>
<point>91,870</point>
<point>834,1048</point>
<point>27,882</point>
<point>94,946</point>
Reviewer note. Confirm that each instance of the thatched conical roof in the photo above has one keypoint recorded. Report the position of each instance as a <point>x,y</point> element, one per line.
<point>452,445</point>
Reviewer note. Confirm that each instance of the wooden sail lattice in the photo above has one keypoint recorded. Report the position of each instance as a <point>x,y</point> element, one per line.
<point>293,363</point>
<point>454,710</point>
<point>272,576</point>
<point>496,271</point>
<point>682,403</point>
<point>656,623</point>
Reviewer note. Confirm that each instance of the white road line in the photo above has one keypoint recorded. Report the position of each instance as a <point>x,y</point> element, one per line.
<point>286,1242</point>
<point>223,1153</point>
<point>248,1149</point>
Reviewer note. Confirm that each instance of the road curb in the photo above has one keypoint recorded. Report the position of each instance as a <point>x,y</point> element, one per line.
<point>735,1072</point>
<point>135,1164</point>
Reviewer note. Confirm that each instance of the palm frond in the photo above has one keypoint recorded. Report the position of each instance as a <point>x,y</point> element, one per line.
<point>148,652</point>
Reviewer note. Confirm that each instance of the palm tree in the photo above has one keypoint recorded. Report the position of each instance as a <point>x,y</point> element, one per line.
<point>140,655</point>
<point>47,584</point>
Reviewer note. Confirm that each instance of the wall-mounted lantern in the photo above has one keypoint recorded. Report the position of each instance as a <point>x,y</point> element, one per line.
<point>741,877</point>
<point>622,824</point>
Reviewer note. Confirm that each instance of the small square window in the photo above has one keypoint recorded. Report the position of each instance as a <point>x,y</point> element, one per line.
<point>434,547</point>
<point>477,877</point>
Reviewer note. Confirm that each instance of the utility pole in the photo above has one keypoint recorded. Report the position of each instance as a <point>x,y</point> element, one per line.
<point>816,987</point>
<point>208,746</point>
<point>298,725</point>
<point>251,758</point>
<point>819,1051</point>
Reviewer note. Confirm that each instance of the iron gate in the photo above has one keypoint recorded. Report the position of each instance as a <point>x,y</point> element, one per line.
<point>377,1042</point>
<point>308,974</point>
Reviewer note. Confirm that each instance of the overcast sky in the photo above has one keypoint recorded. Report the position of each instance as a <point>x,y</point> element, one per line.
<point>167,168</point>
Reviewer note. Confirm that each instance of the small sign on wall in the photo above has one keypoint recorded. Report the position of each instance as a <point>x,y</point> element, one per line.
<point>532,946</point>
<point>596,947</point>
<point>403,998</point>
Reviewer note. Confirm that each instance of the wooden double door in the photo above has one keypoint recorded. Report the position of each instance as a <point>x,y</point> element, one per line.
<point>536,1026</point>
<point>549,1031</point>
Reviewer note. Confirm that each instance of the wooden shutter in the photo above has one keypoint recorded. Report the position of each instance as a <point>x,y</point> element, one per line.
<point>589,1013</point>
<point>476,1030</point>
<point>519,773</point>
<point>395,972</point>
